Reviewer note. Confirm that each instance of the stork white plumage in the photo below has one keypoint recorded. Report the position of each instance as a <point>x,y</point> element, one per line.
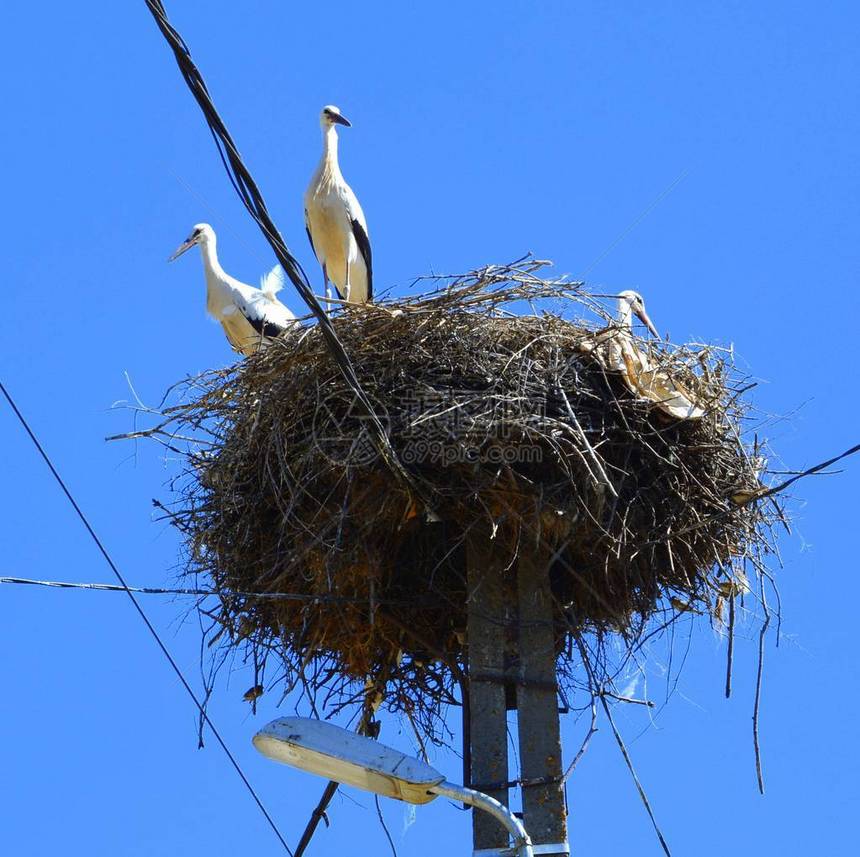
<point>335,223</point>
<point>615,344</point>
<point>631,303</point>
<point>645,379</point>
<point>618,351</point>
<point>251,317</point>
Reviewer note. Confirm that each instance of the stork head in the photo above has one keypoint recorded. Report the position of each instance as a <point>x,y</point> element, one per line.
<point>202,233</point>
<point>331,115</point>
<point>630,302</point>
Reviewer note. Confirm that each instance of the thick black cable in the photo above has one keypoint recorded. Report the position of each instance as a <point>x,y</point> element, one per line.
<point>113,567</point>
<point>253,201</point>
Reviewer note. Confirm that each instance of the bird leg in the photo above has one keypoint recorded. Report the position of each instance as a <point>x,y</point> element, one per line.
<point>327,290</point>
<point>346,285</point>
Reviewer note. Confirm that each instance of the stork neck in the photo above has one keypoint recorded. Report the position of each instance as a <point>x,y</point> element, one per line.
<point>330,148</point>
<point>625,314</point>
<point>210,257</point>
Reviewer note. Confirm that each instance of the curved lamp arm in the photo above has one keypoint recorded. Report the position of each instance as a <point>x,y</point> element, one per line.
<point>498,810</point>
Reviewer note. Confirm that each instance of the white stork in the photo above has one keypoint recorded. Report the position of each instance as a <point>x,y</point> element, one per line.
<point>649,381</point>
<point>335,222</point>
<point>620,354</point>
<point>614,344</point>
<point>251,317</point>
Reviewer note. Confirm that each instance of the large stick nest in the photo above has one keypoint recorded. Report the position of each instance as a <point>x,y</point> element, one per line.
<point>507,427</point>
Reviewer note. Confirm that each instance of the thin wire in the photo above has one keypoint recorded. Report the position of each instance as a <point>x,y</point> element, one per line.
<point>634,224</point>
<point>151,590</point>
<point>103,550</point>
<point>384,825</point>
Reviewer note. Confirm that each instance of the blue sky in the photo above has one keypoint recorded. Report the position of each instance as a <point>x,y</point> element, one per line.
<point>706,156</point>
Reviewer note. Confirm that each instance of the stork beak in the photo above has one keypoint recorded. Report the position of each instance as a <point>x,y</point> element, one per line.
<point>643,317</point>
<point>341,120</point>
<point>182,248</point>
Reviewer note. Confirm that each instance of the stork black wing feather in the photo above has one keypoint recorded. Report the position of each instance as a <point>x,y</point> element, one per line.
<point>310,237</point>
<point>363,242</point>
<point>258,320</point>
<point>266,328</point>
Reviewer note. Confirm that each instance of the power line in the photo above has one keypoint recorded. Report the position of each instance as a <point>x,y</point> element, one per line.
<point>244,185</point>
<point>225,594</point>
<point>113,567</point>
<point>106,587</point>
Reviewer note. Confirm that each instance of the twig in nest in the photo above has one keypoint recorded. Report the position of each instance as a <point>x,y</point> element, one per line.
<point>586,741</point>
<point>384,826</point>
<point>646,702</point>
<point>629,763</point>
<point>621,745</point>
<point>758,682</point>
<point>778,489</point>
<point>731,648</point>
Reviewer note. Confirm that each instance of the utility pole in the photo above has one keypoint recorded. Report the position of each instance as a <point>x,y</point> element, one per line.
<point>514,672</point>
<point>544,814</point>
<point>487,622</point>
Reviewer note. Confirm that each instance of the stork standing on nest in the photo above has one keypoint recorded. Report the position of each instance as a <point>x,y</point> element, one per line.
<point>251,317</point>
<point>335,222</point>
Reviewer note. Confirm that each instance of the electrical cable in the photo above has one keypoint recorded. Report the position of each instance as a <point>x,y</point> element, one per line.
<point>109,560</point>
<point>252,198</point>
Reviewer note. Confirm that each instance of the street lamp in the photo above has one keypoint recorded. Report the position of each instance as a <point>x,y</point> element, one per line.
<point>346,757</point>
